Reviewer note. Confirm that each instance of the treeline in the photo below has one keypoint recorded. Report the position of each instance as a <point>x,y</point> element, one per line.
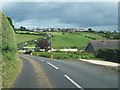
<point>106,34</point>
<point>109,54</point>
<point>111,35</point>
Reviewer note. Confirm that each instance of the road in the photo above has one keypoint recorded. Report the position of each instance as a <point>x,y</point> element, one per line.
<point>39,72</point>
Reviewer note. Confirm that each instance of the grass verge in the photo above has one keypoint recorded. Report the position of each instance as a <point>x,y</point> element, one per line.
<point>10,71</point>
<point>65,55</point>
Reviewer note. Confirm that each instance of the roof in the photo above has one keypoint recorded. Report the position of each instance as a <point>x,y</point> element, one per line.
<point>102,44</point>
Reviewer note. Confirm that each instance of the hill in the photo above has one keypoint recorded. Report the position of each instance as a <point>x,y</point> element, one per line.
<point>73,40</point>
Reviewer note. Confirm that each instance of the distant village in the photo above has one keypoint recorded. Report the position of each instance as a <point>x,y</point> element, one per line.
<point>22,28</point>
<point>59,29</point>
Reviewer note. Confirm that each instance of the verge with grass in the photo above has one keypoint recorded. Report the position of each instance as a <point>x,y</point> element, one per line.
<point>11,69</point>
<point>65,55</point>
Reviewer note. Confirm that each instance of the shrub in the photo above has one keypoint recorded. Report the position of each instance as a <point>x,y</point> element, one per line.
<point>65,55</point>
<point>109,54</point>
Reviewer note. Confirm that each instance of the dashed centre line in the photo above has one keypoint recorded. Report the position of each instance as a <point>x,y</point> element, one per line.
<point>52,65</point>
<point>78,86</point>
<point>66,76</point>
<point>42,60</point>
<point>72,81</point>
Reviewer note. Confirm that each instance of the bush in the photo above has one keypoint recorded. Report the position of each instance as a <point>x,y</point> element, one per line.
<point>116,36</point>
<point>28,52</point>
<point>109,54</point>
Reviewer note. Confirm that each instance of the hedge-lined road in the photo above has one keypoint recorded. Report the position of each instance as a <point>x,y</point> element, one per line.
<point>38,72</point>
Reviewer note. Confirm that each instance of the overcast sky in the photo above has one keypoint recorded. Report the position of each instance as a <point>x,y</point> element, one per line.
<point>100,16</point>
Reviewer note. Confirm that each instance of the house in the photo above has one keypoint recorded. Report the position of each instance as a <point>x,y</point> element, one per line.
<point>95,45</point>
<point>64,50</point>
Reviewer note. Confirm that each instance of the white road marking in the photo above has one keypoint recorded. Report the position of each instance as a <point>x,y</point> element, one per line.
<point>52,65</point>
<point>41,60</point>
<point>78,86</point>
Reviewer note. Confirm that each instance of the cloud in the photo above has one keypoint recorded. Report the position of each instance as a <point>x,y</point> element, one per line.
<point>51,23</point>
<point>64,14</point>
<point>60,1</point>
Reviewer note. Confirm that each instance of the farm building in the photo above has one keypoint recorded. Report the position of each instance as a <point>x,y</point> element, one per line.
<point>95,45</point>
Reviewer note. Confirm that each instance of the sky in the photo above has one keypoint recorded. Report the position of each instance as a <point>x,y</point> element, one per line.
<point>95,15</point>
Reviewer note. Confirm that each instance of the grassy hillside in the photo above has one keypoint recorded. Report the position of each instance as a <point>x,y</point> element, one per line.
<point>77,39</point>
<point>21,38</point>
<point>69,40</point>
<point>10,60</point>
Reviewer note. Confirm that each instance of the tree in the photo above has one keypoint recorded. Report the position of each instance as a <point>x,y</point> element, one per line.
<point>90,30</point>
<point>10,21</point>
<point>42,44</point>
<point>108,34</point>
<point>101,31</point>
<point>116,36</point>
<point>63,33</point>
<point>22,28</point>
<point>115,32</point>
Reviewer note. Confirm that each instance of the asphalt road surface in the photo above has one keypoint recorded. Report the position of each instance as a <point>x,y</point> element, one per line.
<point>39,72</point>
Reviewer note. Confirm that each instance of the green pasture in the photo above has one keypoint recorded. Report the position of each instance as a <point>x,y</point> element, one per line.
<point>21,38</point>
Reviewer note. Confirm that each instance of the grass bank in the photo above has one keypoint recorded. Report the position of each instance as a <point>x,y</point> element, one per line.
<point>10,63</point>
<point>11,69</point>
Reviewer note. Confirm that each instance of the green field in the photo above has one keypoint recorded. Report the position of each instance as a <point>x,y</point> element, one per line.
<point>69,40</point>
<point>21,38</point>
<point>60,40</point>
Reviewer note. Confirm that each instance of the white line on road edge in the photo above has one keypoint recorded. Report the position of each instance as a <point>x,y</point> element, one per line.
<point>78,86</point>
<point>52,65</point>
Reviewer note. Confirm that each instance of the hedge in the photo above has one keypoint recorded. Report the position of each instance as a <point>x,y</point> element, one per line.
<point>109,54</point>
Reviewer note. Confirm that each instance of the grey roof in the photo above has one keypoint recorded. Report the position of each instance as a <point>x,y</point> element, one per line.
<point>100,44</point>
